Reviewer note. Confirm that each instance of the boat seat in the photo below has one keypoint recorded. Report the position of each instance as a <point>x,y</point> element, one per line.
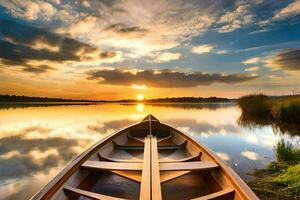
<point>112,159</point>
<point>88,194</point>
<point>174,166</point>
<point>165,147</point>
<point>189,158</point>
<point>217,195</point>
<point>103,165</point>
<point>188,166</point>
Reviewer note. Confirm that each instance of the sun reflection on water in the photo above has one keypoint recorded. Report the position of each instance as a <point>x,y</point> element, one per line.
<point>140,107</point>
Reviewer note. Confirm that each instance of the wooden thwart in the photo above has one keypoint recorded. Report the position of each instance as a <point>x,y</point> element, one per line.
<point>164,147</point>
<point>188,166</point>
<point>216,195</point>
<point>103,165</point>
<point>91,195</point>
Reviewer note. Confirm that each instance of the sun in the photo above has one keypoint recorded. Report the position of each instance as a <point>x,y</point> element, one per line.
<point>140,97</point>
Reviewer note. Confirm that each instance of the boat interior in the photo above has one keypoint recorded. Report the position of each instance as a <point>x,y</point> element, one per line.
<point>148,160</point>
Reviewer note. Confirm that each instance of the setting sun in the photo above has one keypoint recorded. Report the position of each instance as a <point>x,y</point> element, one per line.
<point>140,97</point>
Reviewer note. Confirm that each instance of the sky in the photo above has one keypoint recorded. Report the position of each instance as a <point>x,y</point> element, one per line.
<point>120,49</point>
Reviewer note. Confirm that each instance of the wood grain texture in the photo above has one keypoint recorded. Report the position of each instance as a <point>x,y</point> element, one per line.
<point>145,191</point>
<point>188,166</point>
<point>103,165</point>
<point>155,176</point>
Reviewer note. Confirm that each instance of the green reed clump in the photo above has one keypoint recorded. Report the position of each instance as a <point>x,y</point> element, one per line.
<point>287,152</point>
<point>277,109</point>
<point>286,109</point>
<point>257,104</point>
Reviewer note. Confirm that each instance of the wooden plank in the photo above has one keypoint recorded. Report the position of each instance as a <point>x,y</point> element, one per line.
<point>91,195</point>
<point>103,165</point>
<point>165,147</point>
<point>216,195</point>
<point>107,158</point>
<point>188,166</point>
<point>155,180</point>
<point>145,190</point>
<point>167,160</point>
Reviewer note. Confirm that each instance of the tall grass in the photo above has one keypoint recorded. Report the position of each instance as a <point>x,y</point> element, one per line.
<point>287,152</point>
<point>280,109</point>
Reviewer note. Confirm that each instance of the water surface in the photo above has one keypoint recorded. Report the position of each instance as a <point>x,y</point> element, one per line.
<point>37,142</point>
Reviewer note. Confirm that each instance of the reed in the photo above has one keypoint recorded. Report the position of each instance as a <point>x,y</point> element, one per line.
<point>287,152</point>
<point>279,109</point>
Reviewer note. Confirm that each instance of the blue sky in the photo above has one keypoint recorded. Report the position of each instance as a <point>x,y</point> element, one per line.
<point>123,48</point>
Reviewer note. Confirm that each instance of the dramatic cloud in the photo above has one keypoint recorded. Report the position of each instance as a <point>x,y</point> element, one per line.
<point>30,10</point>
<point>163,78</point>
<point>166,57</point>
<point>138,26</point>
<point>286,60</point>
<point>252,69</point>
<point>251,61</point>
<point>291,9</point>
<point>233,20</point>
<point>30,48</point>
<point>202,49</point>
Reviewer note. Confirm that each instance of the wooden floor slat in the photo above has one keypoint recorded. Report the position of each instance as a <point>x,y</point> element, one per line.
<point>155,175</point>
<point>91,195</point>
<point>145,191</point>
<point>103,165</point>
<point>188,166</point>
<point>216,195</point>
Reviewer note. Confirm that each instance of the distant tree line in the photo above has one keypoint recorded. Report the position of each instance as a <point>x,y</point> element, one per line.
<point>15,98</point>
<point>185,100</point>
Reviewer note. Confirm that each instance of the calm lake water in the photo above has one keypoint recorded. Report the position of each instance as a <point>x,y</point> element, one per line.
<point>37,142</point>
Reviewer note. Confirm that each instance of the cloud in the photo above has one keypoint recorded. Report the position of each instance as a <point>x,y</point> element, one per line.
<point>138,26</point>
<point>37,50</point>
<point>30,10</point>
<point>163,78</point>
<point>250,155</point>
<point>224,156</point>
<point>287,60</point>
<point>252,69</point>
<point>166,57</point>
<point>222,52</point>
<point>127,31</point>
<point>202,49</point>
<point>290,10</point>
<point>29,156</point>
<point>233,20</point>
<point>251,61</point>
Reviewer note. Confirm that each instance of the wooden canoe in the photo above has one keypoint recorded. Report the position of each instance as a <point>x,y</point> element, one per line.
<point>148,160</point>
